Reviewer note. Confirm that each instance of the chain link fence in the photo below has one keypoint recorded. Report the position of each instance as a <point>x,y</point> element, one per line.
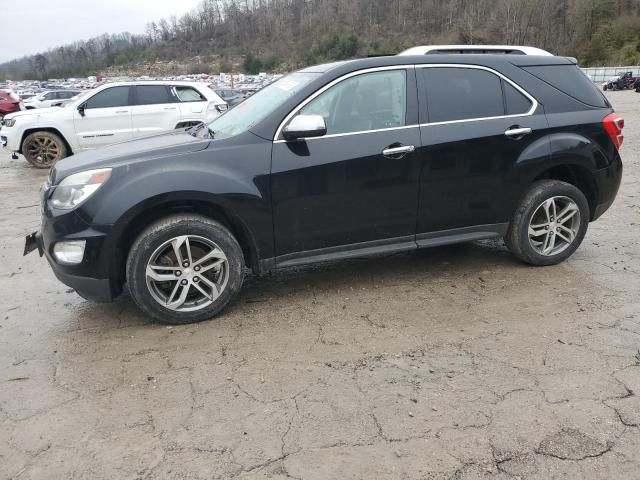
<point>602,74</point>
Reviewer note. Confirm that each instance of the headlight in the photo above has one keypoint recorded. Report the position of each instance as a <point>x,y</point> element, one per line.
<point>10,122</point>
<point>76,188</point>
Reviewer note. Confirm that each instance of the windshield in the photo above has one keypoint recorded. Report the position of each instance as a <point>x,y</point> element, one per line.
<point>79,96</point>
<point>260,105</point>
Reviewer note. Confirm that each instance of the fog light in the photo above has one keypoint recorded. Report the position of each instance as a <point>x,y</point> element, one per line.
<point>69,253</point>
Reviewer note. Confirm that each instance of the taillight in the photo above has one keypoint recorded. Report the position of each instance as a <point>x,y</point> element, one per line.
<point>613,125</point>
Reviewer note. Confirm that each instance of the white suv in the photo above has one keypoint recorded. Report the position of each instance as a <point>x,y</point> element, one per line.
<point>112,113</point>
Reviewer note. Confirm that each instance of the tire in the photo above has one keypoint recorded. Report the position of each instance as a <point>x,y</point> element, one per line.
<point>532,212</point>
<point>152,247</point>
<point>604,88</point>
<point>43,149</point>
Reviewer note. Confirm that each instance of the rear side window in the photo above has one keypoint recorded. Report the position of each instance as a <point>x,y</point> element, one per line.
<point>152,95</point>
<point>462,94</point>
<point>515,103</point>
<point>188,94</point>
<point>109,98</point>
<point>570,80</point>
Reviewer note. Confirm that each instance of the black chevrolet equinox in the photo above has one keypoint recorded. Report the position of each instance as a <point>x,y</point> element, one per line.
<point>335,161</point>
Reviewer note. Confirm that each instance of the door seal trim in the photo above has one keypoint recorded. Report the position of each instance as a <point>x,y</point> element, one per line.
<point>374,247</point>
<point>460,235</point>
<point>385,246</point>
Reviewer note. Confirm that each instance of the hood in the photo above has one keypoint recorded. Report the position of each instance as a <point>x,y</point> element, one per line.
<point>35,111</point>
<point>147,148</point>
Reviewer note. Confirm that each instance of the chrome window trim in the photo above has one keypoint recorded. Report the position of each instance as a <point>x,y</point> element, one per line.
<point>532,110</point>
<point>276,138</point>
<point>361,132</point>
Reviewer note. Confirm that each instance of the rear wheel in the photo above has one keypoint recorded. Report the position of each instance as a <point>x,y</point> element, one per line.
<point>185,269</point>
<point>43,149</point>
<point>550,223</point>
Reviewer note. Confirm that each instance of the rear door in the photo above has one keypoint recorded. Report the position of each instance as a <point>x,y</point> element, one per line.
<point>475,126</point>
<point>155,110</point>
<point>106,119</point>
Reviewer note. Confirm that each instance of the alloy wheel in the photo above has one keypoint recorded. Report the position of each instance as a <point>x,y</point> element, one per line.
<point>43,150</point>
<point>554,226</point>
<point>187,273</point>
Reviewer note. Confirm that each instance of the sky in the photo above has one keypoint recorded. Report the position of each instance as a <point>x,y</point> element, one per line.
<point>32,26</point>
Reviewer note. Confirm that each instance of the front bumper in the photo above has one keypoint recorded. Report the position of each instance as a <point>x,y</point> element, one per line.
<point>7,139</point>
<point>95,289</point>
<point>90,279</point>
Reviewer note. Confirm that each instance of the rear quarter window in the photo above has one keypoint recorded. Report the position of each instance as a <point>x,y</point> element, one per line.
<point>515,102</point>
<point>188,94</point>
<point>570,80</point>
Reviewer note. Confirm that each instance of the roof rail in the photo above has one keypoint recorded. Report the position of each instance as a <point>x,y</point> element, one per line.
<point>475,49</point>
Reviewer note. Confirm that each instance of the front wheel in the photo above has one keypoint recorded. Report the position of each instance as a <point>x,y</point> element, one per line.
<point>43,149</point>
<point>184,269</point>
<point>550,223</point>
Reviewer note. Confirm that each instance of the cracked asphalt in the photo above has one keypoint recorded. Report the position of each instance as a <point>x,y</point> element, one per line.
<point>449,363</point>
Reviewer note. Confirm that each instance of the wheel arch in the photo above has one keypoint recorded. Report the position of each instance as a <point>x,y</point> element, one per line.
<point>29,131</point>
<point>141,216</point>
<point>577,175</point>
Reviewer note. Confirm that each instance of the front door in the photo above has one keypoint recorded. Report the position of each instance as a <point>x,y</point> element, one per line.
<point>354,189</point>
<point>106,118</point>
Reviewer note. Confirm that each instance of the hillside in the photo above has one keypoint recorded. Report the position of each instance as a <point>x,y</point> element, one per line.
<point>279,35</point>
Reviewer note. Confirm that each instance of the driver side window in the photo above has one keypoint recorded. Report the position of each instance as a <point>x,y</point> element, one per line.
<point>109,98</point>
<point>370,101</point>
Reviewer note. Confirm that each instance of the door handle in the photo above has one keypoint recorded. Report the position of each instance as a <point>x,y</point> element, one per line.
<point>398,152</point>
<point>517,132</point>
<point>122,111</point>
<point>169,108</point>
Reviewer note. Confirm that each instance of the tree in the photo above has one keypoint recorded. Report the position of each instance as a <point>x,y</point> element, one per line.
<point>40,65</point>
<point>286,34</point>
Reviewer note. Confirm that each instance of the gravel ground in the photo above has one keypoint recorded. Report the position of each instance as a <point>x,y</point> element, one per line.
<point>454,362</point>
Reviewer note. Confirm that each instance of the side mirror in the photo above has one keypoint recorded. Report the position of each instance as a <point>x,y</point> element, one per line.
<point>81,108</point>
<point>305,126</point>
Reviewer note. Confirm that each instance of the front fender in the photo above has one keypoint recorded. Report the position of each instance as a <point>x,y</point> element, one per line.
<point>60,130</point>
<point>232,180</point>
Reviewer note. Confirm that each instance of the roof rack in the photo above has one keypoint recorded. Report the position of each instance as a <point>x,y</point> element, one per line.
<point>475,49</point>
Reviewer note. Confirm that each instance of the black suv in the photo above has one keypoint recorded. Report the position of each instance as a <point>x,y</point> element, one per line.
<point>341,160</point>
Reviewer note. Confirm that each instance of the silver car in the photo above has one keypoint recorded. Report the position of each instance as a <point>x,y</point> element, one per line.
<point>51,98</point>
